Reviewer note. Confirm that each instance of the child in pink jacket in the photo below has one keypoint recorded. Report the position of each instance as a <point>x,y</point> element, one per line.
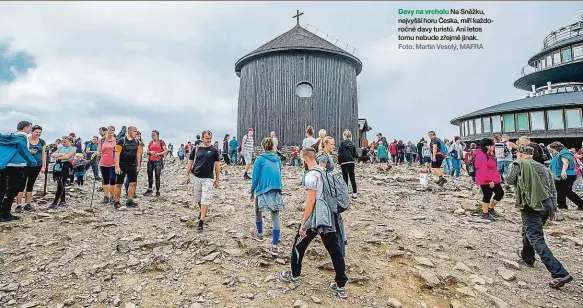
<point>488,178</point>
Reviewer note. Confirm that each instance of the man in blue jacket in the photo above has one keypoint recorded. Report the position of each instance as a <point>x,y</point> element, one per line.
<point>14,156</point>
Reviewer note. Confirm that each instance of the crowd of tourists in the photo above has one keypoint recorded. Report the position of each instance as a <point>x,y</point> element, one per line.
<point>116,159</point>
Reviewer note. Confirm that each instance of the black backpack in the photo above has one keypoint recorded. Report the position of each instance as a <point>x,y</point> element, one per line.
<point>470,166</point>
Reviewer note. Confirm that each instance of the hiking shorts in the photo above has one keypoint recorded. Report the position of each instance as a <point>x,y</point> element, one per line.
<point>247,158</point>
<point>203,189</point>
<point>438,162</point>
<point>130,171</point>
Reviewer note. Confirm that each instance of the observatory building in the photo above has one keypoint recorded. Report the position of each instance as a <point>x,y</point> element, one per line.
<point>552,109</point>
<point>295,80</point>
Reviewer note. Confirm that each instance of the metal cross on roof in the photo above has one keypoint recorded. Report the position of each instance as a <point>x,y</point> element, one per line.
<point>297,16</point>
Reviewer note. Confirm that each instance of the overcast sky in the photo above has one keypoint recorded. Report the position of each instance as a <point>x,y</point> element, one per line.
<point>76,66</point>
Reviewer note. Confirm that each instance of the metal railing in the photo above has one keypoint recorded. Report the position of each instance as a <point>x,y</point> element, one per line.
<point>336,41</point>
<point>527,69</point>
<point>562,34</point>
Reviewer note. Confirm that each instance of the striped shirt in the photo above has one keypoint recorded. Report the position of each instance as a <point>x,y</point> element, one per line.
<point>248,146</point>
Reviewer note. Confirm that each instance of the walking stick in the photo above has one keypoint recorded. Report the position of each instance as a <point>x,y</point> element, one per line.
<point>46,171</point>
<point>92,193</point>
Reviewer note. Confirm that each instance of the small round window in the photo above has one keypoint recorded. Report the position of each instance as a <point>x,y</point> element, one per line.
<point>304,89</point>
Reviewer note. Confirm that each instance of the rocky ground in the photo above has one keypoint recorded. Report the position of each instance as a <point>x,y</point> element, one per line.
<point>407,247</point>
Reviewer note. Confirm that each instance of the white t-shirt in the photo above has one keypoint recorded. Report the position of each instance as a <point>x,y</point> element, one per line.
<point>308,142</point>
<point>314,181</point>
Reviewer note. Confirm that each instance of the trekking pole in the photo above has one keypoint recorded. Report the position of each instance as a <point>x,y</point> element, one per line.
<point>92,193</point>
<point>46,172</point>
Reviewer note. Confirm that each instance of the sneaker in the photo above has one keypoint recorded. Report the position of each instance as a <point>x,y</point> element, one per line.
<point>354,195</point>
<point>558,283</point>
<point>246,176</point>
<point>131,203</point>
<point>273,251</point>
<point>256,236</point>
<point>53,206</point>
<point>157,194</point>
<point>116,204</point>
<point>488,216</point>
<point>338,291</point>
<point>199,228</point>
<point>148,192</point>
<point>287,276</point>
<point>62,203</point>
<point>19,209</point>
<point>529,263</point>
<point>493,213</point>
<point>28,207</point>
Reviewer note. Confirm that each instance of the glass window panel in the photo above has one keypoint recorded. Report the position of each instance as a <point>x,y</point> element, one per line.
<point>573,117</point>
<point>496,124</point>
<point>478,123</point>
<point>566,53</point>
<point>578,51</point>
<point>549,60</point>
<point>569,88</point>
<point>471,126</point>
<point>557,58</point>
<point>555,119</point>
<point>486,122</point>
<point>543,63</point>
<point>522,122</point>
<point>508,123</point>
<point>538,120</point>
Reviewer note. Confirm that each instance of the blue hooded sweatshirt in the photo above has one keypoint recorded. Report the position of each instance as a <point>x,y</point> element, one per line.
<point>14,150</point>
<point>557,163</point>
<point>266,174</point>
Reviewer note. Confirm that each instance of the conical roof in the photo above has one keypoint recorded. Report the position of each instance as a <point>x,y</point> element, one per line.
<point>298,39</point>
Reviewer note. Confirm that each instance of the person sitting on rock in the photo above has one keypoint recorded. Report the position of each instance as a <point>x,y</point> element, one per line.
<point>266,192</point>
<point>536,198</point>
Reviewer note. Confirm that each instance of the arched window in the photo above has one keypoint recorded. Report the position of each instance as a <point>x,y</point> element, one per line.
<point>304,89</point>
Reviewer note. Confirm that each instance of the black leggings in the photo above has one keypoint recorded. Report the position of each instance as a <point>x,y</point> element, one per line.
<point>108,175</point>
<point>62,177</point>
<point>80,180</point>
<point>154,168</point>
<point>227,159</point>
<point>348,171</point>
<point>30,176</point>
<point>497,191</point>
<point>11,183</point>
<point>565,190</point>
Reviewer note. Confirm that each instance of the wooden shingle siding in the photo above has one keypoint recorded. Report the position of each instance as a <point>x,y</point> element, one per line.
<point>268,100</point>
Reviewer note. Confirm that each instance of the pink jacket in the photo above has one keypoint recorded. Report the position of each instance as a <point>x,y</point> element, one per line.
<point>486,169</point>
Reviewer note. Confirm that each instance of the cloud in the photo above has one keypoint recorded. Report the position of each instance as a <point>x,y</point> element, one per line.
<point>170,65</point>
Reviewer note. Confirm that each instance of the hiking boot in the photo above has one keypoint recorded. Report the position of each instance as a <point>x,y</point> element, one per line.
<point>157,194</point>
<point>199,227</point>
<point>53,206</point>
<point>105,199</point>
<point>116,205</point>
<point>558,283</point>
<point>273,251</point>
<point>493,213</point>
<point>338,291</point>
<point>488,216</point>
<point>148,192</point>
<point>257,236</point>
<point>19,209</point>
<point>287,276</point>
<point>131,203</point>
<point>28,207</point>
